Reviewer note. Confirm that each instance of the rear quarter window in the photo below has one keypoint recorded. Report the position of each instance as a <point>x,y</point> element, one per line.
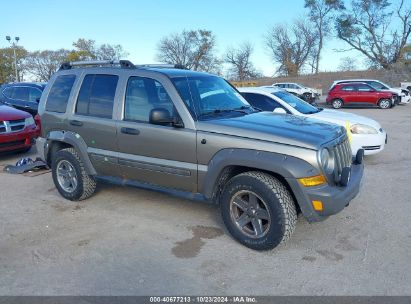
<point>59,93</point>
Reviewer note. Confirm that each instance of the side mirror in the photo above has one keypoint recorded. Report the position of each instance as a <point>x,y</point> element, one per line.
<point>161,116</point>
<point>37,100</point>
<point>280,111</point>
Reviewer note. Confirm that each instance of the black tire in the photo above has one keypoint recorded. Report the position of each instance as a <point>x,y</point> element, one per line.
<point>385,103</point>
<point>86,184</point>
<point>337,103</point>
<point>273,196</point>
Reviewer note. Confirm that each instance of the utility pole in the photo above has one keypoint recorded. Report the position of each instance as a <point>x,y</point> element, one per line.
<point>14,45</point>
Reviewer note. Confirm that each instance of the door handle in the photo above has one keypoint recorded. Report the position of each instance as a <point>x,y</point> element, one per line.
<point>130,131</point>
<point>76,123</point>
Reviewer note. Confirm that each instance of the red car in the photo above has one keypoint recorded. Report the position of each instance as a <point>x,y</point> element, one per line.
<point>18,129</point>
<point>359,94</point>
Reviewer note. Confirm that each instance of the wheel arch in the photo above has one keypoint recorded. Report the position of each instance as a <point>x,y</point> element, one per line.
<point>229,163</point>
<point>58,140</point>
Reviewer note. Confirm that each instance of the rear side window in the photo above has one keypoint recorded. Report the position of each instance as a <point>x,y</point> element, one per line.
<point>348,88</point>
<point>8,92</point>
<point>59,93</point>
<point>261,102</point>
<point>96,97</point>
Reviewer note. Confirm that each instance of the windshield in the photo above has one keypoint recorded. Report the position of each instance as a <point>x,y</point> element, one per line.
<point>378,85</point>
<point>210,95</point>
<point>297,103</point>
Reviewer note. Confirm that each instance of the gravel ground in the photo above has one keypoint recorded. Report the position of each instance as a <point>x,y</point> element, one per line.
<point>128,241</point>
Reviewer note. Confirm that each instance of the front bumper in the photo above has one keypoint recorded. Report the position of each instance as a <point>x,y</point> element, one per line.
<point>405,99</point>
<point>370,143</point>
<point>18,140</point>
<point>333,198</point>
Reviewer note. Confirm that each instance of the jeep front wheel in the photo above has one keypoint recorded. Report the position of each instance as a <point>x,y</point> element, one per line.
<point>258,210</point>
<point>70,176</point>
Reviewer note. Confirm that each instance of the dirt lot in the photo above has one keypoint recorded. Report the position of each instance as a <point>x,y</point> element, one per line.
<point>128,241</point>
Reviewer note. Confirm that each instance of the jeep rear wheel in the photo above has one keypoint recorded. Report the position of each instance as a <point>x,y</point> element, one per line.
<point>337,103</point>
<point>70,177</point>
<point>258,210</point>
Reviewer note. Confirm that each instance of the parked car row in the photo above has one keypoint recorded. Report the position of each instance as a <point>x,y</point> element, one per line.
<point>366,92</point>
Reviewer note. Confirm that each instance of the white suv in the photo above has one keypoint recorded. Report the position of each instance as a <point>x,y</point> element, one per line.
<point>402,93</point>
<point>301,91</point>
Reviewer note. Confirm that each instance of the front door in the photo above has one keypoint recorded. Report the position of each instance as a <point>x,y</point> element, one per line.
<point>155,154</point>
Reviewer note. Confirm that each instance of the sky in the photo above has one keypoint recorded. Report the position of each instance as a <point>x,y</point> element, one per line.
<point>139,25</point>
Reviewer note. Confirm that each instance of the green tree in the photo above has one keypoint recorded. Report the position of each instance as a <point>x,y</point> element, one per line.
<point>376,30</point>
<point>7,69</point>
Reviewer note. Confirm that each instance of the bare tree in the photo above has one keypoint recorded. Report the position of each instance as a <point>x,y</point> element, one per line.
<point>86,49</point>
<point>42,64</point>
<point>368,28</point>
<point>192,49</point>
<point>291,47</point>
<point>347,64</point>
<point>320,13</point>
<point>239,59</point>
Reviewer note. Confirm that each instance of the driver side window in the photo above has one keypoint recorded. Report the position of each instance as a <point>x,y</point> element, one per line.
<point>143,95</point>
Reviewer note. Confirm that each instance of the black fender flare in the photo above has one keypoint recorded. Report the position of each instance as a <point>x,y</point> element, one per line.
<point>74,140</point>
<point>284,165</point>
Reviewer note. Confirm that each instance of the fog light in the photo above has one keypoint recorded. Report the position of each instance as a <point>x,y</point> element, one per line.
<point>318,205</point>
<point>313,180</point>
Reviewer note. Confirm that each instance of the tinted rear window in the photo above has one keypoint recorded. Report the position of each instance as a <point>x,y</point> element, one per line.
<point>96,97</point>
<point>59,93</point>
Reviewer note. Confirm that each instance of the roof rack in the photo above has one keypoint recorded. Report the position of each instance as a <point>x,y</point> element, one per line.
<point>124,64</point>
<point>164,66</point>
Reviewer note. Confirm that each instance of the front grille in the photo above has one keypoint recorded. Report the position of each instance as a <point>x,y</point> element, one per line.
<point>12,126</point>
<point>342,157</point>
<point>12,143</point>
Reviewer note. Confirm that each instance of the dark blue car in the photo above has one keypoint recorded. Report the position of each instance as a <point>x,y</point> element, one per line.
<point>22,95</point>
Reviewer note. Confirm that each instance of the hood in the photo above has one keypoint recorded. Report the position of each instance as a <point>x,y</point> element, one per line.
<point>393,90</point>
<point>341,118</point>
<point>9,113</point>
<point>280,128</point>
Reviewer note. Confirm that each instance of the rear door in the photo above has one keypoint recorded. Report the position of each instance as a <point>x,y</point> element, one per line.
<point>19,97</point>
<point>155,154</point>
<point>348,93</point>
<point>93,121</point>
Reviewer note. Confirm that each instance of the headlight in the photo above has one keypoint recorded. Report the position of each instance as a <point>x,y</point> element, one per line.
<point>29,121</point>
<point>362,129</point>
<point>327,161</point>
